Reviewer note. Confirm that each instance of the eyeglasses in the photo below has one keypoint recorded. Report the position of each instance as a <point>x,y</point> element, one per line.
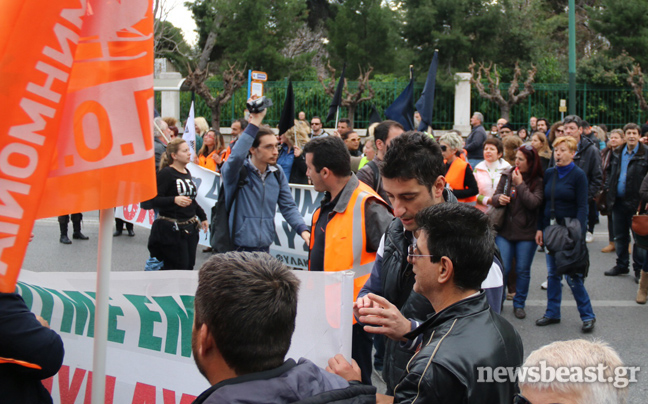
<point>560,130</point>
<point>412,253</point>
<point>520,399</point>
<point>444,147</point>
<point>315,123</point>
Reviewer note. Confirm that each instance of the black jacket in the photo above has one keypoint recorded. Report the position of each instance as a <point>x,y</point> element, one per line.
<point>457,341</point>
<point>23,338</point>
<point>637,170</point>
<point>588,159</point>
<point>298,172</point>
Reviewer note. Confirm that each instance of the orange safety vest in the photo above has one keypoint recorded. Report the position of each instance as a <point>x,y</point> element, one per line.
<point>456,178</point>
<point>345,241</point>
<point>207,161</point>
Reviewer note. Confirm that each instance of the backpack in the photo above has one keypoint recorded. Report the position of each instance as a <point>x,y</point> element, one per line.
<point>221,239</point>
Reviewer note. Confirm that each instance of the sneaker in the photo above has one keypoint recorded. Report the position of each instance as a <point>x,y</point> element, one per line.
<point>543,285</point>
<point>589,237</point>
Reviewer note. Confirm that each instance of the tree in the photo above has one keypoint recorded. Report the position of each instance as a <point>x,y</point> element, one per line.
<point>494,94</point>
<point>636,81</point>
<point>251,33</point>
<point>351,100</point>
<point>623,24</point>
<point>364,32</point>
<point>168,40</point>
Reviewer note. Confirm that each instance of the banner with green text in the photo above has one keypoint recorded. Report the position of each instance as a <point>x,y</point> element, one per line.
<point>149,357</point>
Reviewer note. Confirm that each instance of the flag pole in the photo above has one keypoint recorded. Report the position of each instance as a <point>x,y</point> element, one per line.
<point>337,115</point>
<point>106,218</point>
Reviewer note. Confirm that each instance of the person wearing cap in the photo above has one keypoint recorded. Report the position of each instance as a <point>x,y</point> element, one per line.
<point>505,130</point>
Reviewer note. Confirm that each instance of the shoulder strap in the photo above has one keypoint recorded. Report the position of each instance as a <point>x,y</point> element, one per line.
<point>241,182</point>
<point>376,173</point>
<point>553,192</point>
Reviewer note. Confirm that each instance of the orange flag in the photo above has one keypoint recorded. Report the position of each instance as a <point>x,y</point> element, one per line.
<point>76,81</point>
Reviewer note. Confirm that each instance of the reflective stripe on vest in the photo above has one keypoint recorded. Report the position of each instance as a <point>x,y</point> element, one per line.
<point>20,363</point>
<point>456,176</point>
<point>340,253</point>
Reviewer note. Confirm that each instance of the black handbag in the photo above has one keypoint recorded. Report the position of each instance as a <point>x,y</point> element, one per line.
<point>564,242</point>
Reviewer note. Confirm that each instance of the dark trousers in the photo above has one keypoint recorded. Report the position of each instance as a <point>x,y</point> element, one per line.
<point>592,216</point>
<point>361,344</point>
<point>76,222</point>
<point>622,217</point>
<point>176,247</point>
<point>120,224</point>
<point>610,217</point>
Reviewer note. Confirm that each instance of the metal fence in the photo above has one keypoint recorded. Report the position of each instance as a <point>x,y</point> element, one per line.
<point>613,107</point>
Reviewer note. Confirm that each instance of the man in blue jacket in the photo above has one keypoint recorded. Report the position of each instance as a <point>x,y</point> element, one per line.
<point>252,213</point>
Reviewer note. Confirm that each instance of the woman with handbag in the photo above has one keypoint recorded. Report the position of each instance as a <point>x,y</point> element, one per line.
<point>488,172</point>
<point>565,197</point>
<point>174,234</point>
<point>516,237</point>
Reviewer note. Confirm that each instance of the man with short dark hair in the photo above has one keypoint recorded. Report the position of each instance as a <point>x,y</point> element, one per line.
<point>346,228</point>
<point>316,128</point>
<point>266,186</point>
<point>237,127</point>
<point>543,126</point>
<point>370,173</point>
<point>464,334</point>
<point>625,173</point>
<point>412,176</point>
<point>240,365</point>
<point>588,159</point>
<point>343,127</point>
<point>475,141</point>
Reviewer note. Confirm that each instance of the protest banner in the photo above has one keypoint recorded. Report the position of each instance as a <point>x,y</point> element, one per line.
<point>288,246</point>
<point>149,357</point>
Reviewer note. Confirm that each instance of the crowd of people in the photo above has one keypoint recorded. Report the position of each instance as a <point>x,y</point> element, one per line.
<point>401,211</point>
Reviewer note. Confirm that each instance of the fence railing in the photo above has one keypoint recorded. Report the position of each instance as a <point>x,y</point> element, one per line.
<point>613,107</point>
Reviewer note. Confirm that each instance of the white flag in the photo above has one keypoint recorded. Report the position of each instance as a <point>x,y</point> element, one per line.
<point>189,134</point>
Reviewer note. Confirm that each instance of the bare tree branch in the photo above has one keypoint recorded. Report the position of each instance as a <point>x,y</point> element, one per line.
<point>494,94</point>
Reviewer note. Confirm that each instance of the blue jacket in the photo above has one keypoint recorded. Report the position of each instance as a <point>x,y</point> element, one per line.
<point>252,219</point>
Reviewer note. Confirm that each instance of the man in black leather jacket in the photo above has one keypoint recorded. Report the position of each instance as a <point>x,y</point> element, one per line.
<point>413,178</point>
<point>456,348</point>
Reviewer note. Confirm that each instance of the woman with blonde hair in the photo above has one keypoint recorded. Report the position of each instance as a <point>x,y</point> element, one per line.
<point>291,159</point>
<point>201,126</point>
<point>369,151</point>
<point>210,155</point>
<point>568,184</point>
<point>540,142</point>
<point>174,234</point>
<point>459,175</point>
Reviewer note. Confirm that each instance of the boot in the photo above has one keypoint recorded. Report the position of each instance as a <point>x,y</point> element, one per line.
<point>77,235</point>
<point>642,293</point>
<point>609,248</point>
<point>64,237</point>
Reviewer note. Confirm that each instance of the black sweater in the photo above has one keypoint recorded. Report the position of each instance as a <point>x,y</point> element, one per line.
<point>172,183</point>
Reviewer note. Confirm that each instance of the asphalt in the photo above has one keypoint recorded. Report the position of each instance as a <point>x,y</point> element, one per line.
<point>620,321</point>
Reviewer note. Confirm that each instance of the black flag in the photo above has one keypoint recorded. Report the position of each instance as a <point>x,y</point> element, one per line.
<point>375,115</point>
<point>402,109</point>
<point>337,98</point>
<point>425,104</point>
<point>287,119</point>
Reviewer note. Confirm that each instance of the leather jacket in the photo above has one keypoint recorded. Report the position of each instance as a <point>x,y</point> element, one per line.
<point>457,341</point>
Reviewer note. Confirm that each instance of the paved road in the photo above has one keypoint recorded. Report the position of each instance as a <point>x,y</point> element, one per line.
<point>620,321</point>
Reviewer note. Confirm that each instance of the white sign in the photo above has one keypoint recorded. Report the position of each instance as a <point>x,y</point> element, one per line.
<point>288,246</point>
<point>149,357</point>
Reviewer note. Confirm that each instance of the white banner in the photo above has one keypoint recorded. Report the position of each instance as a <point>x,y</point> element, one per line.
<point>149,355</point>
<point>288,246</point>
